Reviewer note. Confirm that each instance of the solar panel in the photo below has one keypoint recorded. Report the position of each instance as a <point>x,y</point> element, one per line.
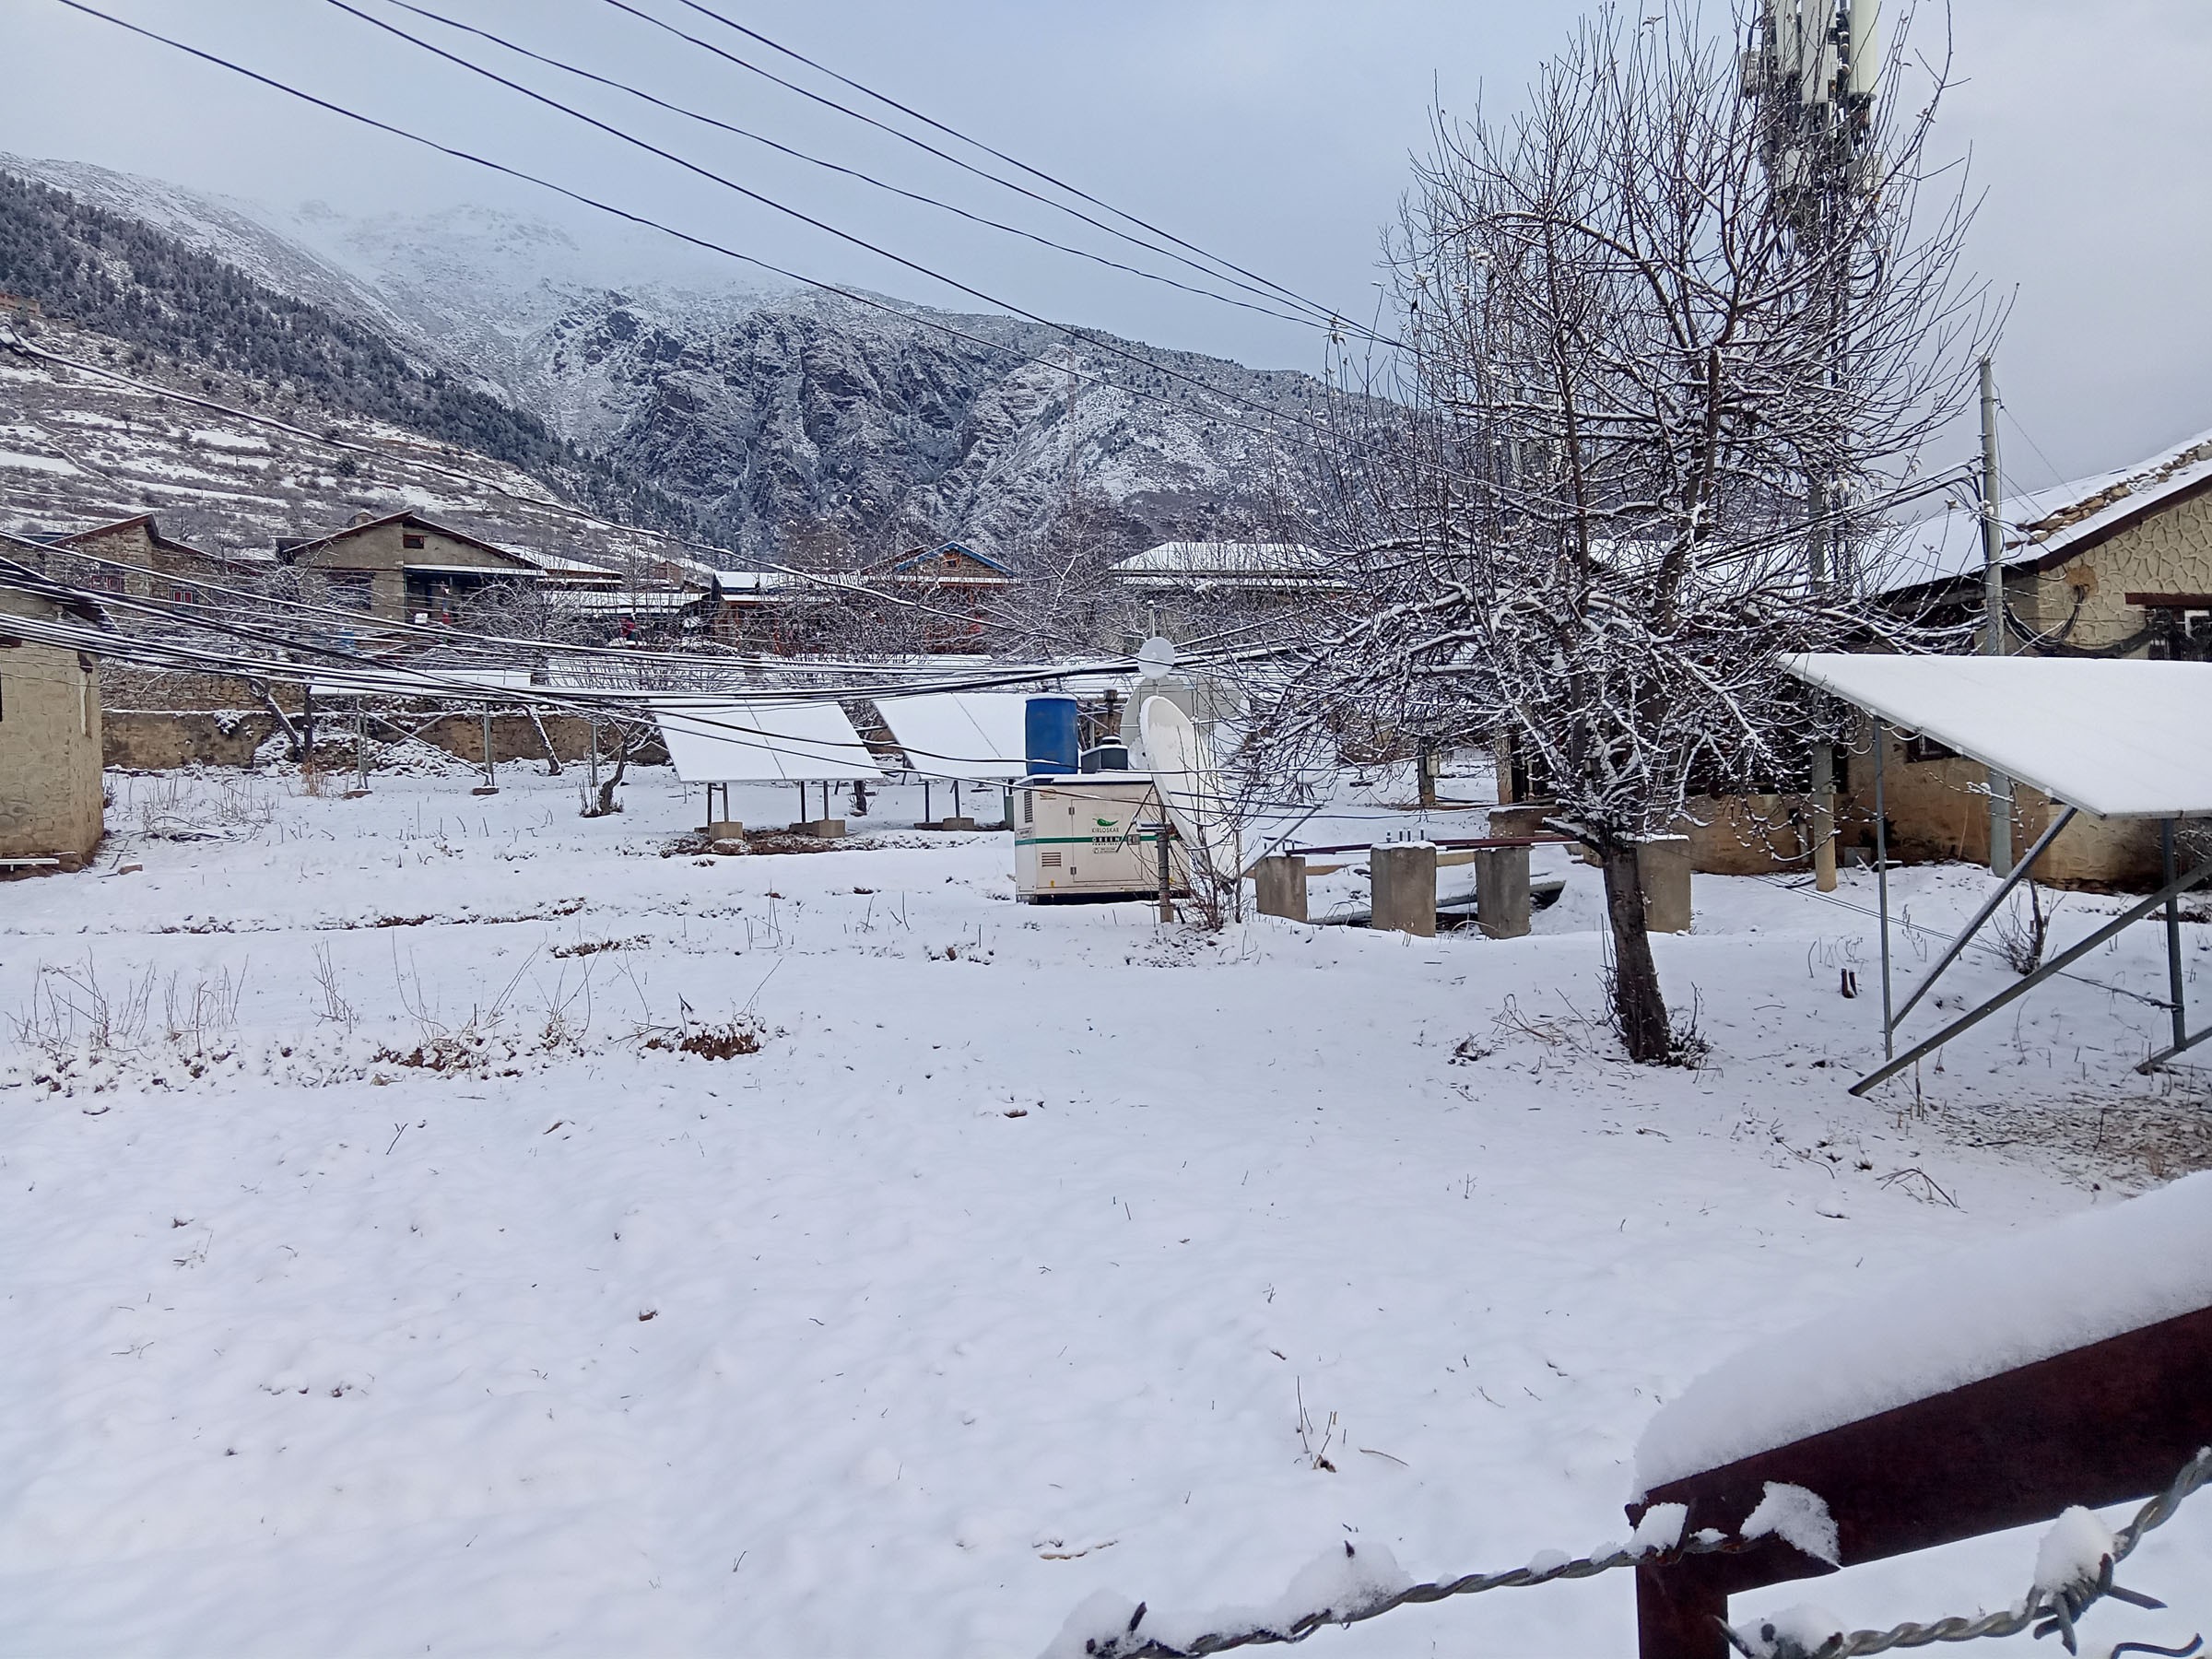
<point>969,736</point>
<point>760,740</point>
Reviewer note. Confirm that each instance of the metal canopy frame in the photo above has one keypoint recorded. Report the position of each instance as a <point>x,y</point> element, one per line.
<point>2168,897</point>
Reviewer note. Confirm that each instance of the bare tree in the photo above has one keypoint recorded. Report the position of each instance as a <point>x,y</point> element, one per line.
<point>1635,371</point>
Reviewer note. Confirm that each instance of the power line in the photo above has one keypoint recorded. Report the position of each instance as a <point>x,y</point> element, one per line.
<point>11,341</point>
<point>856,296</point>
<point>858,174</point>
<point>1320,312</point>
<point>1073,336</point>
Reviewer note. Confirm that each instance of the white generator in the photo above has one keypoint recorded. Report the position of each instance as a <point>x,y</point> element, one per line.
<point>1089,838</point>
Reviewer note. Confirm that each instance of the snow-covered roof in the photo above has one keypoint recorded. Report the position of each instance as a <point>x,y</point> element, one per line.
<point>2004,1304</point>
<point>760,740</point>
<point>974,736</point>
<point>560,564</point>
<point>1224,564</point>
<point>2044,527</point>
<point>733,583</point>
<point>2116,738</point>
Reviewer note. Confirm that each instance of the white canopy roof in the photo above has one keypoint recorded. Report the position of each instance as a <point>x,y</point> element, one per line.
<point>2119,738</point>
<point>970,737</point>
<point>760,740</point>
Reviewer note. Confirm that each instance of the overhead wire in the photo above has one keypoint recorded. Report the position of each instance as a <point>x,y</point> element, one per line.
<point>1230,271</point>
<point>1096,341</point>
<point>12,341</point>
<point>857,296</point>
<point>858,174</point>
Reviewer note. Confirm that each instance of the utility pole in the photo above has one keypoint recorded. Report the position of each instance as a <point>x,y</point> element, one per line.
<point>1993,593</point>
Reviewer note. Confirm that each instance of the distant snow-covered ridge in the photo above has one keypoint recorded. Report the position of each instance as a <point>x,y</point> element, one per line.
<point>769,409</point>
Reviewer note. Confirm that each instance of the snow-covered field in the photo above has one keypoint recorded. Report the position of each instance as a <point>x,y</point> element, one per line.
<point>377,1288</point>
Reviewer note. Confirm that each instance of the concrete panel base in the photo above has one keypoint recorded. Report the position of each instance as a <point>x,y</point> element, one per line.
<point>1281,884</point>
<point>724,830</point>
<point>1662,869</point>
<point>1501,899</point>
<point>827,829</point>
<point>947,823</point>
<point>1403,877</point>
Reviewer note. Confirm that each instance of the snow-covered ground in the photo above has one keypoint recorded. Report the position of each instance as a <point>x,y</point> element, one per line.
<point>998,1277</point>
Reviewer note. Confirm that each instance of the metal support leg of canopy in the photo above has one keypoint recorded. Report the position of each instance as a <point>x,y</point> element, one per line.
<point>2181,1039</point>
<point>2019,874</point>
<point>2066,959</point>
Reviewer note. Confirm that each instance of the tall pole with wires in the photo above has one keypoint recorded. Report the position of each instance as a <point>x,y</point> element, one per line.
<point>1813,67</point>
<point>1992,603</point>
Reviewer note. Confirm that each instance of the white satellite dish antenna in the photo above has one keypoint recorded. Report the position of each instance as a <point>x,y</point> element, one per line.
<point>1154,658</point>
<point>1181,762</point>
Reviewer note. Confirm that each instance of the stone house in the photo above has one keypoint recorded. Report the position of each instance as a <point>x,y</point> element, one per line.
<point>130,557</point>
<point>406,568</point>
<point>1184,588</point>
<point>50,786</point>
<point>2116,565</point>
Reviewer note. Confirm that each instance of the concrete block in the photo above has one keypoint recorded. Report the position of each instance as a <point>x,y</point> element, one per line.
<point>724,830</point>
<point>1281,884</point>
<point>827,829</point>
<point>1662,869</point>
<point>1527,818</point>
<point>1501,902</point>
<point>1403,877</point>
<point>947,823</point>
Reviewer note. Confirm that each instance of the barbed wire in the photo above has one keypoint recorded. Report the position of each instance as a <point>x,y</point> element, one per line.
<point>2049,1611</point>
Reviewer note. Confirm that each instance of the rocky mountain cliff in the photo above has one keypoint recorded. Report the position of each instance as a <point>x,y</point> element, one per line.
<point>769,416</point>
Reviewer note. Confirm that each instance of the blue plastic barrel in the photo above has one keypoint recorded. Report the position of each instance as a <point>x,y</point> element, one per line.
<point>1049,734</point>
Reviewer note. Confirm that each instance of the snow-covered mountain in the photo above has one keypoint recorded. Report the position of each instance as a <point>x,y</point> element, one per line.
<point>773,412</point>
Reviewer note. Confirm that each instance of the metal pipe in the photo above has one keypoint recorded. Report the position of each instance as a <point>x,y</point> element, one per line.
<point>2064,959</point>
<point>2019,874</point>
<point>1993,600</point>
<point>2173,937</point>
<point>1881,882</point>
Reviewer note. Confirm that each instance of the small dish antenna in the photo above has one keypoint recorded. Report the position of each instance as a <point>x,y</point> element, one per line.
<point>1154,658</point>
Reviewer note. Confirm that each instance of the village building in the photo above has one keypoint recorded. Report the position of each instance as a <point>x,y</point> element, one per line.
<point>406,568</point>
<point>50,786</point>
<point>1184,588</point>
<point>130,557</point>
<point>2118,564</point>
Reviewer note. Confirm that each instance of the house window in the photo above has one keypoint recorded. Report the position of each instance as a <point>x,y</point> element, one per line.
<point>411,540</point>
<point>1918,748</point>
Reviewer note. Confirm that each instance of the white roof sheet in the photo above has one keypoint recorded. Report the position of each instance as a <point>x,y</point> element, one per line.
<point>760,740</point>
<point>966,736</point>
<point>2122,738</point>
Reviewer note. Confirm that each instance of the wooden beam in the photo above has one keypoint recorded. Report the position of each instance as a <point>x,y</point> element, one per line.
<point>2108,1423</point>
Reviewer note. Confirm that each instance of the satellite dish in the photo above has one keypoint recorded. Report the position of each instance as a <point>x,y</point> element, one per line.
<point>1155,657</point>
<point>1182,763</point>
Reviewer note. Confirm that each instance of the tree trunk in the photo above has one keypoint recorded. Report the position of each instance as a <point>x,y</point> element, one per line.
<point>1639,1010</point>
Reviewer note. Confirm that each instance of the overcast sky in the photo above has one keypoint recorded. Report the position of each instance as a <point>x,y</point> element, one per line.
<point>1276,134</point>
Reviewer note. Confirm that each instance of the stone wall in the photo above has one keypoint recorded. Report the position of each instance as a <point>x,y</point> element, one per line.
<point>51,788</point>
<point>1938,809</point>
<point>160,739</point>
<point>2170,552</point>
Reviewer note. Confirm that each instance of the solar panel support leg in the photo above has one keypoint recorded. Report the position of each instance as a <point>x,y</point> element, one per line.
<point>2019,874</point>
<point>1881,884</point>
<point>2173,936</point>
<point>2057,964</point>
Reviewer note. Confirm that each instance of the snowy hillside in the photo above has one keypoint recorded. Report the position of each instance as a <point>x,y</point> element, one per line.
<point>767,410</point>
